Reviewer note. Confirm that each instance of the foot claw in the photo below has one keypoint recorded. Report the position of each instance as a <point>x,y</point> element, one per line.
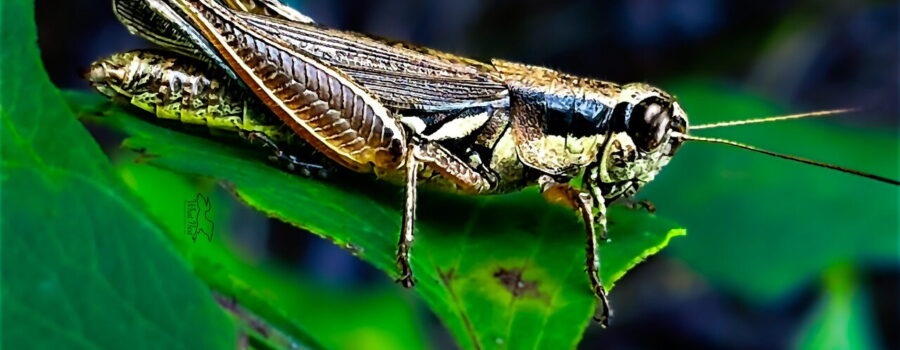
<point>406,275</point>
<point>604,312</point>
<point>602,320</point>
<point>406,281</point>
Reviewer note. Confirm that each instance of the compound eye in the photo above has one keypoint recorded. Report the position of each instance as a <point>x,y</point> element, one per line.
<point>649,122</point>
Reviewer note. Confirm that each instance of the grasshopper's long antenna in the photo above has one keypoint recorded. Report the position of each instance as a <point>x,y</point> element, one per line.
<point>773,119</point>
<point>785,156</point>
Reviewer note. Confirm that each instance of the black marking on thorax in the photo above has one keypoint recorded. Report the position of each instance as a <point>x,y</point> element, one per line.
<point>568,115</point>
<point>618,118</point>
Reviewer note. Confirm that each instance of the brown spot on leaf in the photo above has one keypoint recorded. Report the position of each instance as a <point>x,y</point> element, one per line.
<point>512,280</point>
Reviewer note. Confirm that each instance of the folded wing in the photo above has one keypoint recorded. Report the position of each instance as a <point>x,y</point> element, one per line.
<point>320,103</point>
<point>401,75</point>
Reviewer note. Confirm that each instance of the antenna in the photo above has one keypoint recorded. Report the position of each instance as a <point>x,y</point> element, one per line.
<point>773,119</point>
<point>785,156</point>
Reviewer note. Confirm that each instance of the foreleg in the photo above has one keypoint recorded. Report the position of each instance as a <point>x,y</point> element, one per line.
<point>565,194</point>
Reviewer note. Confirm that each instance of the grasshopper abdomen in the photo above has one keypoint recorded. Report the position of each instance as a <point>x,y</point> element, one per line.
<point>178,88</point>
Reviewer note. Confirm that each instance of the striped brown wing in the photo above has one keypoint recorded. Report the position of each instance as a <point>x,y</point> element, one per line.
<point>321,104</point>
<point>157,22</point>
<point>402,75</point>
<point>271,8</point>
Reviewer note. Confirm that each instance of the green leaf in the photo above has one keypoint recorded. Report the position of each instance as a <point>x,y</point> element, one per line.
<point>843,319</point>
<point>465,247</point>
<point>82,265</point>
<point>314,315</point>
<point>761,226</point>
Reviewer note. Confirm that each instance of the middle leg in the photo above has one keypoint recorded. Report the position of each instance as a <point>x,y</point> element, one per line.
<point>466,178</point>
<point>407,228</point>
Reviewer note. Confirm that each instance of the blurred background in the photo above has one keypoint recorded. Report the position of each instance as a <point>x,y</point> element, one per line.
<point>778,255</point>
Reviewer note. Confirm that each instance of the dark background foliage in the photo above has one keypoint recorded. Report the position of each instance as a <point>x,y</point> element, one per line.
<point>799,55</point>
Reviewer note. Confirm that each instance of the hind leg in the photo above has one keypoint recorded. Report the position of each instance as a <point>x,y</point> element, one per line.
<point>468,179</point>
<point>287,161</point>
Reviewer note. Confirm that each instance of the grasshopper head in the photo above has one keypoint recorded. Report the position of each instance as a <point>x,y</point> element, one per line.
<point>642,140</point>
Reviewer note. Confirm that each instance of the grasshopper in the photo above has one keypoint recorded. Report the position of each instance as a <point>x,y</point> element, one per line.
<point>409,114</point>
